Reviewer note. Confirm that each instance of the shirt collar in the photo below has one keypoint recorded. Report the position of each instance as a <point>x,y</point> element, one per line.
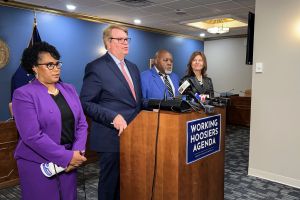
<point>117,61</point>
<point>158,72</point>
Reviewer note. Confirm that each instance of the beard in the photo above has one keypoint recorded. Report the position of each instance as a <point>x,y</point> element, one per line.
<point>168,71</point>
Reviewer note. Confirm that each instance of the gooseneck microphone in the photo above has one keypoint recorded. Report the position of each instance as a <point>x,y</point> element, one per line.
<point>165,94</point>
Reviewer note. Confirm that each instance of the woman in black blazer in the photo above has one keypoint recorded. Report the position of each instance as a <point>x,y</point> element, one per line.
<point>196,73</point>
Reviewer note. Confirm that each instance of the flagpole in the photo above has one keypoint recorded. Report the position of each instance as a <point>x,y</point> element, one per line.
<point>34,26</point>
<point>35,22</point>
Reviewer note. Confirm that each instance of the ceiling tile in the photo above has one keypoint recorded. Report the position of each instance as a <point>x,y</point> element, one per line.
<point>235,12</point>
<point>201,11</point>
<point>157,9</point>
<point>161,1</point>
<point>155,18</point>
<point>224,5</point>
<point>245,2</point>
<point>87,3</point>
<point>176,16</point>
<point>180,4</point>
<point>204,2</point>
<point>139,13</point>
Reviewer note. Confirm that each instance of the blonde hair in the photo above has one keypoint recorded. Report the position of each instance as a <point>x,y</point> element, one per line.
<point>107,32</point>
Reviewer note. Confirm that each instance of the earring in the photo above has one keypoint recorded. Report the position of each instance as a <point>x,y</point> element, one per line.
<point>36,75</point>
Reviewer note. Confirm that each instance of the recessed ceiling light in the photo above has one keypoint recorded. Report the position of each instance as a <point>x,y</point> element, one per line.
<point>137,21</point>
<point>70,7</point>
<point>217,24</point>
<point>202,34</point>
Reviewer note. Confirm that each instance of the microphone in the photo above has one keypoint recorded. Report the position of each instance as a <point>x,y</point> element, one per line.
<point>197,98</point>
<point>165,93</point>
<point>184,86</point>
<point>207,108</point>
<point>187,88</point>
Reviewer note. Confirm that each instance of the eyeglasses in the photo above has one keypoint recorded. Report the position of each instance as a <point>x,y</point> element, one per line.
<point>51,65</point>
<point>121,40</point>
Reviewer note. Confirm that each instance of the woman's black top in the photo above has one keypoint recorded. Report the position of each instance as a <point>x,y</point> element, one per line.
<point>204,87</point>
<point>67,118</point>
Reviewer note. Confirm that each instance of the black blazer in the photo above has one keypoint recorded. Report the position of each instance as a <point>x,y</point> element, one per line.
<point>206,87</point>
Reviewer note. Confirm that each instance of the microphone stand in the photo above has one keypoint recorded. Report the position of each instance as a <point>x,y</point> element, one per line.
<point>165,93</point>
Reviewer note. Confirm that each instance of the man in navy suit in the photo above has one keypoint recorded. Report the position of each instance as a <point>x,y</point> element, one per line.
<point>160,81</point>
<point>111,97</point>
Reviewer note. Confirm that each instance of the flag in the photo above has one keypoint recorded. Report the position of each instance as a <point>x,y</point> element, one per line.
<point>21,77</point>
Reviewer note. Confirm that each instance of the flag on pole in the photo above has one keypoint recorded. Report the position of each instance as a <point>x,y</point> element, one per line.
<point>21,77</point>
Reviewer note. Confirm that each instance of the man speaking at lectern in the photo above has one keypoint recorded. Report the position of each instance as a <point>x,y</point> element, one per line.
<point>111,97</point>
<point>159,81</point>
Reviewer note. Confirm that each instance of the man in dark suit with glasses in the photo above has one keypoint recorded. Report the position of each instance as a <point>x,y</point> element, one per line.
<point>111,97</point>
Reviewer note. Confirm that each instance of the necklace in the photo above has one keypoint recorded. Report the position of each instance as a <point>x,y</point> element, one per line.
<point>55,92</point>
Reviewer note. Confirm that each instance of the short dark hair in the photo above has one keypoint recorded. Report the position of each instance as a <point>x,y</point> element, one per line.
<point>31,55</point>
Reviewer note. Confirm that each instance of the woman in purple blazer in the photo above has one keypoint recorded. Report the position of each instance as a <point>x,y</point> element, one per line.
<point>52,127</point>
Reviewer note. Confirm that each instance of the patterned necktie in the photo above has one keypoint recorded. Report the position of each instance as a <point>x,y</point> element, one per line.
<point>168,84</point>
<point>127,79</point>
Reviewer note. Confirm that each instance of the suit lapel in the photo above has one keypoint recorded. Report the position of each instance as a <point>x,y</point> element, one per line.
<point>50,107</point>
<point>160,84</point>
<point>197,85</point>
<point>44,95</point>
<point>174,83</point>
<point>112,65</point>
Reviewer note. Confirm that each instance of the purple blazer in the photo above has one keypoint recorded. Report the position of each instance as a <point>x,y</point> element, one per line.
<point>38,120</point>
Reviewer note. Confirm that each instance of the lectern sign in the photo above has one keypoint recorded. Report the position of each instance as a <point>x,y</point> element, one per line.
<point>203,138</point>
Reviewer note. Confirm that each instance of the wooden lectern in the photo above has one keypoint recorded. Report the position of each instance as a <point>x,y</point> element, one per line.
<point>175,180</point>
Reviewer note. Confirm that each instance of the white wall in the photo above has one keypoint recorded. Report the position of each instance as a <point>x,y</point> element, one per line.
<point>226,64</point>
<point>275,120</point>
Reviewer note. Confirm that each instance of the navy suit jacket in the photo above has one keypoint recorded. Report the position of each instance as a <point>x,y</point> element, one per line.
<point>105,93</point>
<point>153,86</point>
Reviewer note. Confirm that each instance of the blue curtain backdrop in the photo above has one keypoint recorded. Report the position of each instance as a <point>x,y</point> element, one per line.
<point>79,42</point>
